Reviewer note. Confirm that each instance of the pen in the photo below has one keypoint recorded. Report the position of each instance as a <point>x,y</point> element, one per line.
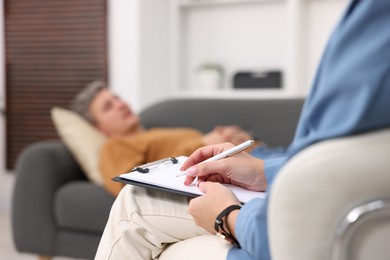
<point>230,152</point>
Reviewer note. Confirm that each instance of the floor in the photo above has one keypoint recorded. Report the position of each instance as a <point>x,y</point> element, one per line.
<point>7,249</point>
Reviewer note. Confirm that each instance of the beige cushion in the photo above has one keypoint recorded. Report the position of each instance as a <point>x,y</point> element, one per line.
<point>82,139</point>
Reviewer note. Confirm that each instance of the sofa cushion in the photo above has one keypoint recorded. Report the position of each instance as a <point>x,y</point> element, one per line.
<point>82,139</point>
<point>74,210</point>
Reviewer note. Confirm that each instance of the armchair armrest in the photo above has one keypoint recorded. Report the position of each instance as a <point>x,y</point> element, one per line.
<point>41,169</point>
<point>317,189</point>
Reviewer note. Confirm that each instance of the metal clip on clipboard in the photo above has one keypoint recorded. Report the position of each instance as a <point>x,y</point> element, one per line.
<point>145,168</point>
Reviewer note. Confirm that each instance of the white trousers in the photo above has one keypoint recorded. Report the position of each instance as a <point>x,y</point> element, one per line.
<point>143,223</point>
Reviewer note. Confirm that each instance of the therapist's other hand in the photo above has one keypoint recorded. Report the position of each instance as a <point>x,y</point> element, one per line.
<point>232,134</point>
<point>206,208</point>
<point>241,169</point>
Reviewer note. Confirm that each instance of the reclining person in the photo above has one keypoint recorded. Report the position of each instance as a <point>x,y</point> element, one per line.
<point>130,144</point>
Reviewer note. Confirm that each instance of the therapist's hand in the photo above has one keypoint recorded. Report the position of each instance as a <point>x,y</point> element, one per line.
<point>241,169</point>
<point>206,208</point>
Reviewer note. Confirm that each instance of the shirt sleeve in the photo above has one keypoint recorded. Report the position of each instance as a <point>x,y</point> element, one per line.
<point>251,232</point>
<point>264,152</point>
<point>251,224</point>
<point>273,158</point>
<point>272,167</point>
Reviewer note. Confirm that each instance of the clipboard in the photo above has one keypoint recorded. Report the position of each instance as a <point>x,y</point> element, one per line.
<point>162,175</point>
<point>154,187</point>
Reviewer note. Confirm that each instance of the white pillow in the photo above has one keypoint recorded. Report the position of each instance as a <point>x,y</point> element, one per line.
<point>82,139</point>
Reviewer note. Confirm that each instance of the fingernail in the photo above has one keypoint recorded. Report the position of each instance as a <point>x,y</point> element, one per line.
<point>191,171</point>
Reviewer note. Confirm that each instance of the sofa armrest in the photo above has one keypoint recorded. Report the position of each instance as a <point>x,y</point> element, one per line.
<point>40,170</point>
<point>315,191</point>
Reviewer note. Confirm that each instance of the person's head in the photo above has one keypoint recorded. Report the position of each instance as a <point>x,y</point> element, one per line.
<point>111,115</point>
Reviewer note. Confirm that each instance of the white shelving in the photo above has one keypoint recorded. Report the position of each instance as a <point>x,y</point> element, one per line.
<point>194,3</point>
<point>156,45</point>
<point>248,34</point>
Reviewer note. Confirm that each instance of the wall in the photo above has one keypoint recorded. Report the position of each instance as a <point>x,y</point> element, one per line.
<point>138,44</point>
<point>154,51</point>
<point>123,45</point>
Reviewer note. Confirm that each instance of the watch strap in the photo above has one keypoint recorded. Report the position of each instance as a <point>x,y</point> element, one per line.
<point>219,225</point>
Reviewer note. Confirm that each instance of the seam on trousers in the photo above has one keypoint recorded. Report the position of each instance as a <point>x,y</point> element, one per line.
<point>112,247</point>
<point>165,216</point>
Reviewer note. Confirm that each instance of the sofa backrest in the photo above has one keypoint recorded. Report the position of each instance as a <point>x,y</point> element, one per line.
<point>272,120</point>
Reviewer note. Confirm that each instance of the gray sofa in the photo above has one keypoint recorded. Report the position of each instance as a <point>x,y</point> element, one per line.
<point>57,212</point>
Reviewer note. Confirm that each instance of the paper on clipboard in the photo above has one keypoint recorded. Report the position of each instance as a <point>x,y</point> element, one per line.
<point>164,178</point>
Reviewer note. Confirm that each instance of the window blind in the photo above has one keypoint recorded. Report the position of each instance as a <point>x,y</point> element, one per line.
<point>53,49</point>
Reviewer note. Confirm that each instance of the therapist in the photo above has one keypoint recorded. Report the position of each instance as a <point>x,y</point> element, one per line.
<point>350,95</point>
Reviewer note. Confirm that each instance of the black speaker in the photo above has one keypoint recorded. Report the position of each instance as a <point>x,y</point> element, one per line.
<point>257,80</point>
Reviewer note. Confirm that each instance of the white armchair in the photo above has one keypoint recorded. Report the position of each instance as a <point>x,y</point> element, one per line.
<point>332,201</point>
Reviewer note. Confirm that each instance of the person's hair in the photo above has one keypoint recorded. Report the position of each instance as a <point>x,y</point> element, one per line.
<point>82,101</point>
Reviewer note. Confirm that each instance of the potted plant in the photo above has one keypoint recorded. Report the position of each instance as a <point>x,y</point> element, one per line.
<point>210,76</point>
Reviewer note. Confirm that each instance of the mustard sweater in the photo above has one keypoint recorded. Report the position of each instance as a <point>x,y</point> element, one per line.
<point>120,155</point>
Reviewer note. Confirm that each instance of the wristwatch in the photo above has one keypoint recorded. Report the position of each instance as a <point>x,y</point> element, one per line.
<point>219,225</point>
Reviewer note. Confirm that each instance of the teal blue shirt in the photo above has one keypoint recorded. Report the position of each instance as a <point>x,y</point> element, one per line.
<point>350,95</point>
